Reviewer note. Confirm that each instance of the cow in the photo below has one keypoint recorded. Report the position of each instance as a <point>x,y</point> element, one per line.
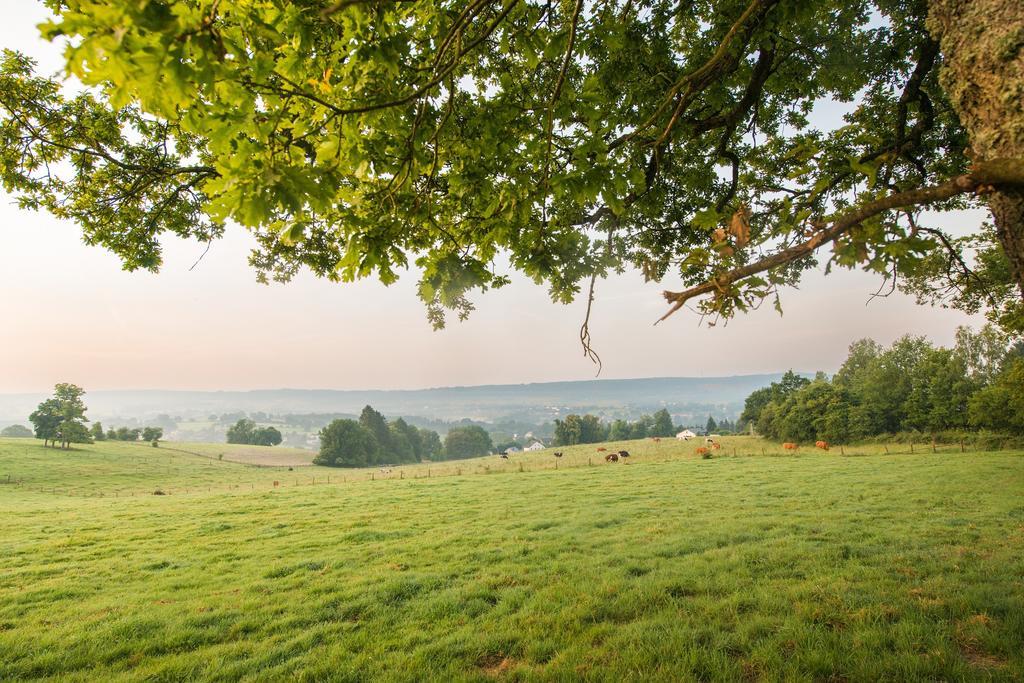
<point>601,450</point>
<point>558,454</point>
<point>611,457</point>
<point>709,440</point>
<point>789,446</point>
<point>623,454</point>
<point>504,456</point>
<point>823,445</point>
<point>701,450</point>
<point>656,439</point>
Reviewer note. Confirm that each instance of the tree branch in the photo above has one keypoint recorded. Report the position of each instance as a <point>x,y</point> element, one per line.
<point>984,175</point>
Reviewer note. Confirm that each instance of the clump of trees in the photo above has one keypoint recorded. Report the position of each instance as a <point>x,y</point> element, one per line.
<point>466,442</point>
<point>373,440</point>
<point>16,432</point>
<point>150,434</point>
<point>61,418</point>
<point>577,429</point>
<point>911,386</point>
<point>246,431</point>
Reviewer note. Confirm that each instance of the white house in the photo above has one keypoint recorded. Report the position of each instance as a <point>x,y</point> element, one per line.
<point>535,446</point>
<point>685,435</point>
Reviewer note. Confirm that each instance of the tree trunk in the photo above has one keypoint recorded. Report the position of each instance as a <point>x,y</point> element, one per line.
<point>982,44</point>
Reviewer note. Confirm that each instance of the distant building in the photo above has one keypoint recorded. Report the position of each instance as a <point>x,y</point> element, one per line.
<point>685,435</point>
<point>535,446</point>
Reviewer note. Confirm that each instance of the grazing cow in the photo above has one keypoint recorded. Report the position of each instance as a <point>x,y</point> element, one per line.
<point>504,456</point>
<point>823,445</point>
<point>601,450</point>
<point>558,454</point>
<point>715,445</point>
<point>789,446</point>
<point>657,439</point>
<point>623,454</point>
<point>701,450</point>
<point>611,457</point>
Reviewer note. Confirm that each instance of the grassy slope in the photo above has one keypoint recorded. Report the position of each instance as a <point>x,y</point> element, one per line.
<point>670,568</point>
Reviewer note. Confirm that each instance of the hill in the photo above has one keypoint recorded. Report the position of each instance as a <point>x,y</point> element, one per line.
<point>694,397</point>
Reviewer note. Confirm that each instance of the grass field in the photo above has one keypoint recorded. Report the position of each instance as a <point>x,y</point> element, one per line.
<point>814,566</point>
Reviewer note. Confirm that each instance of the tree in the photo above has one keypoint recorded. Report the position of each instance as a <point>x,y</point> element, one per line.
<point>61,419</point>
<point>466,442</point>
<point>266,436</point>
<point>152,434</point>
<point>96,432</point>
<point>711,425</point>
<point>46,419</point>
<point>242,431</point>
<point>663,424</point>
<point>1000,406</point>
<point>346,443</point>
<point>378,426</point>
<point>433,449</point>
<point>574,138</point>
<point>16,432</point>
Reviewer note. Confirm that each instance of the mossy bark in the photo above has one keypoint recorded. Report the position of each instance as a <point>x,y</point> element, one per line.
<point>982,44</point>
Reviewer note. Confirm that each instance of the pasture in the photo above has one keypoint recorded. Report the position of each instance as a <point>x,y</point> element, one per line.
<point>750,565</point>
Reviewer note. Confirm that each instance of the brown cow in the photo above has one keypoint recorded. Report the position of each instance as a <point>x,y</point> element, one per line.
<point>657,439</point>
<point>601,450</point>
<point>611,457</point>
<point>701,450</point>
<point>716,445</point>
<point>789,446</point>
<point>823,445</point>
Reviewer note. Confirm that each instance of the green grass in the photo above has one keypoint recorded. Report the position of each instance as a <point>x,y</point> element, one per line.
<point>814,566</point>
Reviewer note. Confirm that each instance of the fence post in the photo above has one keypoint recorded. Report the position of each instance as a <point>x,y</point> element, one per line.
<point>934,449</point>
<point>911,447</point>
<point>886,447</point>
<point>961,445</point>
<point>842,451</point>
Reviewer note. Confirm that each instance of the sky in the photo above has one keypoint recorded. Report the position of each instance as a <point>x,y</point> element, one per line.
<point>69,313</point>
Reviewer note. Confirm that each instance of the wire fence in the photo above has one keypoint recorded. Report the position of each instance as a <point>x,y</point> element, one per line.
<point>288,478</point>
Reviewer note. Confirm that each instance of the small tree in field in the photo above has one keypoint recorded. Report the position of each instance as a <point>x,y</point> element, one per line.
<point>97,433</point>
<point>152,434</point>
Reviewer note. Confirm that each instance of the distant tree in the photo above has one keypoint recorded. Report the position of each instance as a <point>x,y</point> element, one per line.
<point>16,432</point>
<point>711,426</point>
<point>152,434</point>
<point>346,443</point>
<point>466,442</point>
<point>266,436</point>
<point>663,424</point>
<point>620,430</point>
<point>641,429</point>
<point>97,433</point>
<point>61,419</point>
<point>433,449</point>
<point>401,431</point>
<point>378,426</point>
<point>241,432</point>
<point>568,431</point>
<point>111,434</point>
<point>401,446</point>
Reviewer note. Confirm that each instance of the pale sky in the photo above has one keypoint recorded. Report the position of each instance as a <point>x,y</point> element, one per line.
<point>69,313</point>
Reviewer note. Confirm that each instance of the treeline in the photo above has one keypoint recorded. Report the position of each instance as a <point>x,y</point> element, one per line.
<point>247,432</point>
<point>577,429</point>
<point>373,440</point>
<point>151,434</point>
<point>913,386</point>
